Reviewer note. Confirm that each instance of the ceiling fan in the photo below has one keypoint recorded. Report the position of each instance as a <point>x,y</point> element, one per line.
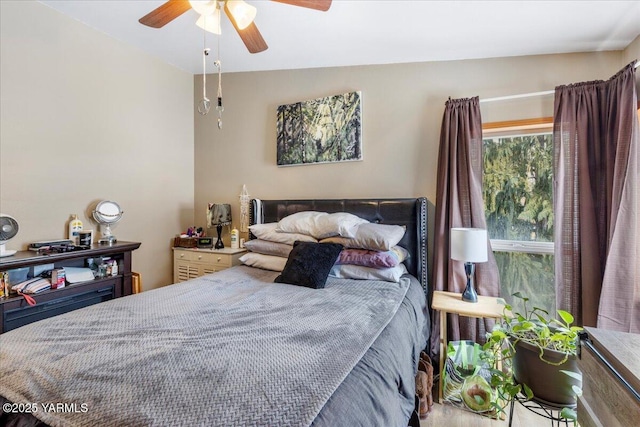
<point>240,14</point>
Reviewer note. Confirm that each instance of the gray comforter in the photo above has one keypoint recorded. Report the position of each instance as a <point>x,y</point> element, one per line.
<point>380,389</point>
<point>232,348</point>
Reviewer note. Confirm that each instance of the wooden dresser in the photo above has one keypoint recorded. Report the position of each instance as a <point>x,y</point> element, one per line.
<point>610,365</point>
<point>15,312</point>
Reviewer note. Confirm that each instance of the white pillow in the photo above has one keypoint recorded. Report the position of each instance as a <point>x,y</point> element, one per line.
<point>321,224</point>
<point>266,247</point>
<point>375,237</point>
<point>265,262</point>
<point>268,232</point>
<point>341,224</point>
<point>350,271</point>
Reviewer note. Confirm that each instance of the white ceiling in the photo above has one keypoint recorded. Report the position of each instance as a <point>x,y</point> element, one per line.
<point>364,32</point>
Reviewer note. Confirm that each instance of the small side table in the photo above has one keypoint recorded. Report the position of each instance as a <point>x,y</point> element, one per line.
<point>451,302</point>
<point>189,263</point>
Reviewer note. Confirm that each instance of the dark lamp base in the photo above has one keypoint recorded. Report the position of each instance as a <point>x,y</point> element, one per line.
<point>219,244</point>
<point>469,294</point>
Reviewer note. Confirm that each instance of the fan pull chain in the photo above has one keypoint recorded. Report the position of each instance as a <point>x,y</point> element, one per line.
<point>218,65</point>
<point>220,107</point>
<point>205,104</point>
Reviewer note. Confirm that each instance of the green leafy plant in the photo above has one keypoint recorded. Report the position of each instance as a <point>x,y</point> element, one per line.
<point>536,328</point>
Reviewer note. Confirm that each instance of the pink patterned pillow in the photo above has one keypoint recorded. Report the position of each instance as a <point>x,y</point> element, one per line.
<point>374,259</point>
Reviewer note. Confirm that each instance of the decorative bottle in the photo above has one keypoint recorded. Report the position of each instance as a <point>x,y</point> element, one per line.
<point>75,227</point>
<point>235,239</point>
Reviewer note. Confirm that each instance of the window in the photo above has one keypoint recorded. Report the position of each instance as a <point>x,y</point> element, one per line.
<point>518,200</point>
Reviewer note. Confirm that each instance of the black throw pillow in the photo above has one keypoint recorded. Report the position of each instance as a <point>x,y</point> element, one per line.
<point>309,264</point>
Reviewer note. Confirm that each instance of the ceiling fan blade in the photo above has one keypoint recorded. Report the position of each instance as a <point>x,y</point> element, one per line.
<point>253,39</point>
<point>250,35</point>
<point>166,13</point>
<point>322,5</point>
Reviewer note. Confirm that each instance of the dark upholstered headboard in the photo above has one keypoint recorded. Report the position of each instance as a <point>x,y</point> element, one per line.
<point>410,213</point>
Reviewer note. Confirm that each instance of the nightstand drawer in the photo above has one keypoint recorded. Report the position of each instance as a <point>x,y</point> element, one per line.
<point>183,255</point>
<point>212,259</point>
<point>189,263</point>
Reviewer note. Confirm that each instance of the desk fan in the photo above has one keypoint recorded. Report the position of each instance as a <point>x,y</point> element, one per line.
<point>8,229</point>
<point>106,214</point>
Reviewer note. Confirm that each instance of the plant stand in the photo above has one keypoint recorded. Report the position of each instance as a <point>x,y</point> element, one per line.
<point>545,410</point>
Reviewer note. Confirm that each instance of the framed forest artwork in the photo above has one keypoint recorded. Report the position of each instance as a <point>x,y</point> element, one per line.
<point>321,130</point>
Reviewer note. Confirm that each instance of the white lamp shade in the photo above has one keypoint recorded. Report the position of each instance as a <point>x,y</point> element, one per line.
<point>210,23</point>
<point>243,13</point>
<point>469,244</point>
<point>204,7</point>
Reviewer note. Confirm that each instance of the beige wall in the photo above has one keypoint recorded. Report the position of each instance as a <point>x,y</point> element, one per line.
<point>85,117</point>
<point>402,109</point>
<point>632,52</point>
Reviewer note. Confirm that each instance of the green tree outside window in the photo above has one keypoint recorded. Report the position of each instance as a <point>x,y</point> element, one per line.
<point>518,198</point>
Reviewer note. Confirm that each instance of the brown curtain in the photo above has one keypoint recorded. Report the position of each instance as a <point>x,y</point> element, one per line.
<point>459,204</point>
<point>597,205</point>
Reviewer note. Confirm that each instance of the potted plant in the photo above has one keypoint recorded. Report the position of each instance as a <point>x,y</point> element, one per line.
<point>538,357</point>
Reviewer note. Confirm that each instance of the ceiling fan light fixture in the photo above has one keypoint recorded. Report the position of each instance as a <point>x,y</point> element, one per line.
<point>240,14</point>
<point>210,23</point>
<point>243,13</point>
<point>204,7</point>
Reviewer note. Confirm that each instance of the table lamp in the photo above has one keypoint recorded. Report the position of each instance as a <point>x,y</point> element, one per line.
<point>469,245</point>
<point>219,214</point>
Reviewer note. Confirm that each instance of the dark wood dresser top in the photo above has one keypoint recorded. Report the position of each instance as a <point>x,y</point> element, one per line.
<point>621,349</point>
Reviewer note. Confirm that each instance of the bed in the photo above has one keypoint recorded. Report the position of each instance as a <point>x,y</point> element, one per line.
<point>234,348</point>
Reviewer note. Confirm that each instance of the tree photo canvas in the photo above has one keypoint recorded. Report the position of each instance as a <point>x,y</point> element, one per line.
<point>321,130</point>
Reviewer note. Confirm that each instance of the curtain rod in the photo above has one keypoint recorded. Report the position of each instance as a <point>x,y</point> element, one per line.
<point>522,95</point>
<point>527,95</point>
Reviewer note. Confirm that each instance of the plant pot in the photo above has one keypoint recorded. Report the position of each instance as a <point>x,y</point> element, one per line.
<point>548,384</point>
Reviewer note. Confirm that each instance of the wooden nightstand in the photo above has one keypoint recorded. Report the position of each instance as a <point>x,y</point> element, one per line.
<point>189,263</point>
<point>450,302</point>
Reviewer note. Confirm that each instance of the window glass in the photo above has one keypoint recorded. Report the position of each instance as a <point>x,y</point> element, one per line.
<point>518,197</point>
